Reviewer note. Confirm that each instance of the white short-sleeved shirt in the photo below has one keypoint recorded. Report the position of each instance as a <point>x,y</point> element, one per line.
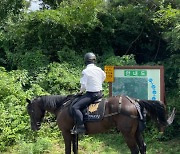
<point>92,78</point>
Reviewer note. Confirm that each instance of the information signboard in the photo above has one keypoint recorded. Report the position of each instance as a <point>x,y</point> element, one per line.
<point>109,70</point>
<point>142,82</point>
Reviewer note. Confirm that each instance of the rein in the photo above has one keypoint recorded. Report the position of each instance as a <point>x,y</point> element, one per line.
<point>67,103</point>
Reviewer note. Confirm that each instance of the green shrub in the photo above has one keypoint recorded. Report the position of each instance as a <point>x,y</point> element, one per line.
<point>71,57</point>
<point>120,61</point>
<point>13,119</point>
<point>42,145</point>
<point>59,79</point>
<point>172,69</point>
<point>32,60</point>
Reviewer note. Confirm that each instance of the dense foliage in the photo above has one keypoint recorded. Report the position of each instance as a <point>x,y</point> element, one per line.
<point>42,52</point>
<point>10,7</point>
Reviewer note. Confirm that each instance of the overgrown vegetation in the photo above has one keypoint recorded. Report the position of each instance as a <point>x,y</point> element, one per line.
<point>42,52</point>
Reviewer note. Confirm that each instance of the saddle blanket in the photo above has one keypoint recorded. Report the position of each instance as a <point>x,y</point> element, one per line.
<point>94,112</point>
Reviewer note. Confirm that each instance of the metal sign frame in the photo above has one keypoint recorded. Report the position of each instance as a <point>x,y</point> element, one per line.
<point>160,68</point>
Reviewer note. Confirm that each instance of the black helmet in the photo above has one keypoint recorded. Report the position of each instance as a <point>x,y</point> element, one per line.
<point>89,58</point>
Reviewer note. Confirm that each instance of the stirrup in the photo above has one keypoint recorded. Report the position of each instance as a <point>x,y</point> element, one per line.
<point>73,130</point>
<point>77,130</point>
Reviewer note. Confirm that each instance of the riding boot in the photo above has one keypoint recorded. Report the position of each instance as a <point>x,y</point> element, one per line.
<point>80,129</point>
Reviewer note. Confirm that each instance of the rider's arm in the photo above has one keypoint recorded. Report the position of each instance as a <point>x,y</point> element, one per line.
<point>103,76</point>
<point>83,82</point>
<point>82,89</point>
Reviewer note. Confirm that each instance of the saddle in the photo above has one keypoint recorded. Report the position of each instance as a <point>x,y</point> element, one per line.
<point>94,112</point>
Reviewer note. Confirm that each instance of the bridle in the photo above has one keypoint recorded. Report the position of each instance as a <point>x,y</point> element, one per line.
<point>34,119</point>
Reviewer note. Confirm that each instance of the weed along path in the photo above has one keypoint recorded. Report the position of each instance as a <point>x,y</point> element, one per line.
<point>114,144</point>
<point>109,143</point>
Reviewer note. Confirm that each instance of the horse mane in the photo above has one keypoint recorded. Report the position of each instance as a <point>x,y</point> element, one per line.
<point>53,101</point>
<point>156,109</point>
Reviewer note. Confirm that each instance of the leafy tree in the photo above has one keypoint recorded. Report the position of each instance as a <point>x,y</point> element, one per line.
<point>135,38</point>
<point>9,12</point>
<point>168,20</point>
<point>47,31</point>
<point>8,7</point>
<point>52,4</point>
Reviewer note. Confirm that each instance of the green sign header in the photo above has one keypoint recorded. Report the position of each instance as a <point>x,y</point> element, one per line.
<point>135,72</point>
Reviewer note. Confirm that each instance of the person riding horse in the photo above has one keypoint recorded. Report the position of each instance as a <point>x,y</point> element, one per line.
<point>91,82</point>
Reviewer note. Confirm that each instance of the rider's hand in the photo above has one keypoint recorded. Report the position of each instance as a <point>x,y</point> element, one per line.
<point>79,93</point>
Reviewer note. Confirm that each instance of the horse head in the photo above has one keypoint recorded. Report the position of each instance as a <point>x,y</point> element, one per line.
<point>36,113</point>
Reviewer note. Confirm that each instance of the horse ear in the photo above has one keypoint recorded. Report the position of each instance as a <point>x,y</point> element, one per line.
<point>28,100</point>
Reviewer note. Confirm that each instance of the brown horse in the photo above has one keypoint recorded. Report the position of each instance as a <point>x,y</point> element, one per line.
<point>121,112</point>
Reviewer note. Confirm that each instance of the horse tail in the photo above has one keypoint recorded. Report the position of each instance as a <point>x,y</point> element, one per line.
<point>156,109</point>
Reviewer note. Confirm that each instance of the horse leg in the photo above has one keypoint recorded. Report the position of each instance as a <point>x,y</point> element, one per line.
<point>67,141</point>
<point>140,142</point>
<point>131,143</point>
<point>75,143</point>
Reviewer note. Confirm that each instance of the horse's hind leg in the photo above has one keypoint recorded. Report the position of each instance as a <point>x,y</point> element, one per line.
<point>131,143</point>
<point>140,142</point>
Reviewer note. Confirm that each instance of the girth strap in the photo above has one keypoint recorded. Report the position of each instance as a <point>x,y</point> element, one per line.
<point>136,105</point>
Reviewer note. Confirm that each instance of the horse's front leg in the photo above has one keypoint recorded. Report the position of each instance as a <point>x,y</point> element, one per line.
<point>67,141</point>
<point>75,143</point>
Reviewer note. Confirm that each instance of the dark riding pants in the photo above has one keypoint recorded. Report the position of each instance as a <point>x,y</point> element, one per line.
<point>83,102</point>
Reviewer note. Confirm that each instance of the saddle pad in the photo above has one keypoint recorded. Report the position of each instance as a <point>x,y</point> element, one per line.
<point>94,112</point>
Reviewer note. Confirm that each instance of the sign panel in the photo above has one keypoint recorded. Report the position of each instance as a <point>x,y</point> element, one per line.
<point>142,82</point>
<point>109,70</point>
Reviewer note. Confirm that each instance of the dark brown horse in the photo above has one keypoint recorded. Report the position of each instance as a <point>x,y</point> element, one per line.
<point>121,112</point>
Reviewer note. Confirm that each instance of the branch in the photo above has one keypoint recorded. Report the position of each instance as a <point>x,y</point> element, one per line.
<point>134,41</point>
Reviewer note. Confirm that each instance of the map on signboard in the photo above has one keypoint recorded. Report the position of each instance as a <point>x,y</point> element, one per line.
<point>132,87</point>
